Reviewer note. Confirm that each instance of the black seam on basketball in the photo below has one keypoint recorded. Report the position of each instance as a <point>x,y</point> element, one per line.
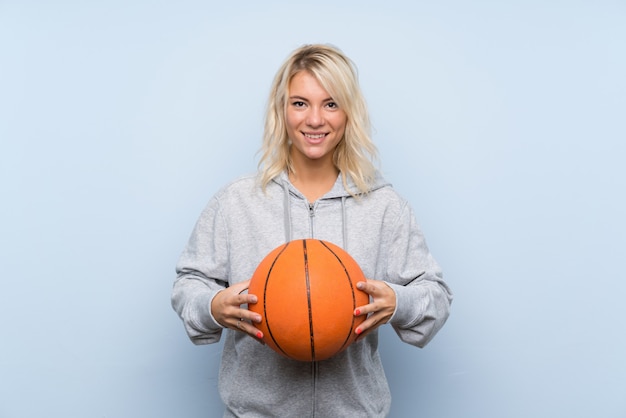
<point>267,279</point>
<point>308,298</point>
<point>347,339</point>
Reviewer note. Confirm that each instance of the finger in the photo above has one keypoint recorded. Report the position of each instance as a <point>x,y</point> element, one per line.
<point>373,287</point>
<point>248,315</point>
<point>362,286</point>
<point>248,328</point>
<point>369,325</point>
<point>240,288</point>
<point>238,296</point>
<point>364,310</point>
<point>377,305</point>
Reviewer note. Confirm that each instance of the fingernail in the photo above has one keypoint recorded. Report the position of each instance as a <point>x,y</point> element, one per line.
<point>253,299</point>
<point>357,312</point>
<point>259,335</point>
<point>358,331</point>
<point>359,285</point>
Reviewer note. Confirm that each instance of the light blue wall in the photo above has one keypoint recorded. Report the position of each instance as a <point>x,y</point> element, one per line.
<point>502,122</point>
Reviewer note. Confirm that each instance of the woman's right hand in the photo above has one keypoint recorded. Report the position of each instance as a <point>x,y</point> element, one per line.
<point>226,309</point>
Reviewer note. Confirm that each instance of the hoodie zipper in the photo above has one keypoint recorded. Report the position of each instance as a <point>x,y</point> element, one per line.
<point>311,217</point>
<point>314,369</point>
<point>314,365</point>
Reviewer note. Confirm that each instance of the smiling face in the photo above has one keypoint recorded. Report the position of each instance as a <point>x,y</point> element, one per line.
<point>315,123</point>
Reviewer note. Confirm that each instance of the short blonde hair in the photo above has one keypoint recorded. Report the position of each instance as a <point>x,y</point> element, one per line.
<point>355,153</point>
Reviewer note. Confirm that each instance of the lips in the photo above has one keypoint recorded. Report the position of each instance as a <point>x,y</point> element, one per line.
<point>314,138</point>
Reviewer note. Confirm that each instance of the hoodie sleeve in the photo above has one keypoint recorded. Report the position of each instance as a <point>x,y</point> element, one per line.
<point>202,271</point>
<point>422,297</point>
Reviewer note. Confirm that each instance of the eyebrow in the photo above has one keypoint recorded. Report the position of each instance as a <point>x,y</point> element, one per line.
<point>328,99</point>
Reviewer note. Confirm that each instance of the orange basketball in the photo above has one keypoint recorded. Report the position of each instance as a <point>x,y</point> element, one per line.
<point>307,295</point>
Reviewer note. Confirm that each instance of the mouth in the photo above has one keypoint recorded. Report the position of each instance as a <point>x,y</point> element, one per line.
<point>314,136</point>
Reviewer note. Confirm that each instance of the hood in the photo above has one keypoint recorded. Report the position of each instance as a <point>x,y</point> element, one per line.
<point>338,191</point>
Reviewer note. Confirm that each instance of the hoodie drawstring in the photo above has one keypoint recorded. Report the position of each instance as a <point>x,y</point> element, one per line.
<point>287,210</point>
<point>287,217</point>
<point>344,223</point>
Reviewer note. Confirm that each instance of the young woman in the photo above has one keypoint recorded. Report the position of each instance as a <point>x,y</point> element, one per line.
<point>316,179</point>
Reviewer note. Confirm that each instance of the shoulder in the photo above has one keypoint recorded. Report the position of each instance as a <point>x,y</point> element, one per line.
<point>245,184</point>
<point>387,202</point>
<point>245,193</point>
<point>233,193</point>
<point>386,196</point>
<point>383,192</point>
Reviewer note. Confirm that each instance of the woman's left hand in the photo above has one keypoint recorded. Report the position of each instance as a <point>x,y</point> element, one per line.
<point>381,308</point>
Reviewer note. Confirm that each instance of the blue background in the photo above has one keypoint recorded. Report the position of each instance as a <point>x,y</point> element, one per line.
<point>502,122</point>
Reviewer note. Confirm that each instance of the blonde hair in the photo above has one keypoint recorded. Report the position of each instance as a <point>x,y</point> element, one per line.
<point>355,153</point>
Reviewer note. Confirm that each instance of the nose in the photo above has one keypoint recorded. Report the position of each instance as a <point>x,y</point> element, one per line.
<point>315,117</point>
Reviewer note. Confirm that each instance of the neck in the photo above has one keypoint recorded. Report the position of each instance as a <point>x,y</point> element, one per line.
<point>314,179</point>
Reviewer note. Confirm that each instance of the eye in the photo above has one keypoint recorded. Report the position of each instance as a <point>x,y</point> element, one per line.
<point>298,103</point>
<point>332,105</point>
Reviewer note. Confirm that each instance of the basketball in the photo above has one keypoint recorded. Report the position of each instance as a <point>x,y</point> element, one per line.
<point>307,295</point>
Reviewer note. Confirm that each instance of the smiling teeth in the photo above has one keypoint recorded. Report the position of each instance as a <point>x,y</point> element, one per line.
<point>318,136</point>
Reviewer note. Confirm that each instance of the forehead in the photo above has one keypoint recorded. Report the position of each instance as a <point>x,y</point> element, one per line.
<point>305,84</point>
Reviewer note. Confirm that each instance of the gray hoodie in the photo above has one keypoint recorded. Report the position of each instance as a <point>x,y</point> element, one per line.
<point>236,230</point>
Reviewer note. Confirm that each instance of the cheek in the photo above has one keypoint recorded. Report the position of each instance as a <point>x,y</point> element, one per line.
<point>291,121</point>
<point>288,119</point>
<point>340,124</point>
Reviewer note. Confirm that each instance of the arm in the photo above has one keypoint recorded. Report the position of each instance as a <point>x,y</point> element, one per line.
<point>202,272</point>
<point>200,297</point>
<point>414,299</point>
<point>423,298</point>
